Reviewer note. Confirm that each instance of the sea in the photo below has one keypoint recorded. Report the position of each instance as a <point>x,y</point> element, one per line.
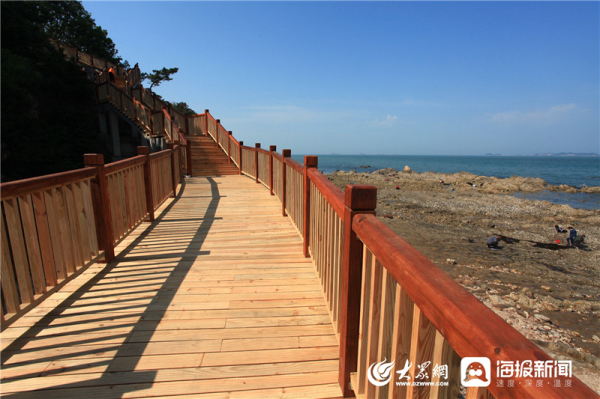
<point>573,171</point>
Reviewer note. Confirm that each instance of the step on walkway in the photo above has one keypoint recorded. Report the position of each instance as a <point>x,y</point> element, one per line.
<point>208,159</point>
<point>212,300</point>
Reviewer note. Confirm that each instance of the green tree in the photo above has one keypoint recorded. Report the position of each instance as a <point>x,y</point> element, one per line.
<point>158,76</point>
<point>69,23</point>
<point>183,108</point>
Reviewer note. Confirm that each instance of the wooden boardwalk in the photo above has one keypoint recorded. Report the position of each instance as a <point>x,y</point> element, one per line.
<point>212,300</point>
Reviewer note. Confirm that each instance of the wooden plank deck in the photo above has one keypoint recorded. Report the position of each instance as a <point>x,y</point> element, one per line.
<point>213,300</point>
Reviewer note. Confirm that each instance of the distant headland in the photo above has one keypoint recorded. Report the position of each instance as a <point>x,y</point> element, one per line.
<point>551,154</point>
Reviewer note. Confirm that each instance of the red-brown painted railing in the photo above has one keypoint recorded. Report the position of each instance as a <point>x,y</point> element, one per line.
<point>386,300</point>
<point>54,226</point>
<point>158,117</point>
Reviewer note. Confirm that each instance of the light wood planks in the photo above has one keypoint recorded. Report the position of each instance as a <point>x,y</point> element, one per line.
<point>214,299</point>
<point>47,236</point>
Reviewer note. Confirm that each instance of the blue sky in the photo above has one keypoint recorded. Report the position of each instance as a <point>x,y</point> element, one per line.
<point>427,78</point>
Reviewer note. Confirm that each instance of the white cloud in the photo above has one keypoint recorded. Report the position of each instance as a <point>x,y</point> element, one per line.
<point>544,116</point>
<point>387,121</point>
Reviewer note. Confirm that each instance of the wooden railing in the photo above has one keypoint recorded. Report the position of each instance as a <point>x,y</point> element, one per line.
<point>47,235</point>
<point>54,226</point>
<point>132,76</point>
<point>157,117</point>
<point>196,125</point>
<point>386,300</point>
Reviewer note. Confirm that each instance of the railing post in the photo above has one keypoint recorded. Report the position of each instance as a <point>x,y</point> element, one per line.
<point>102,210</point>
<point>285,154</point>
<point>310,161</point>
<point>218,124</point>
<point>182,168</point>
<point>229,133</point>
<point>241,151</point>
<point>358,199</point>
<point>272,149</point>
<point>180,158</point>
<point>171,146</point>
<point>206,113</point>
<point>188,156</point>
<point>257,145</point>
<point>142,150</point>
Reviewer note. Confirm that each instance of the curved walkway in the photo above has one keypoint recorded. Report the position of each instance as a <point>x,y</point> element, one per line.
<point>212,300</point>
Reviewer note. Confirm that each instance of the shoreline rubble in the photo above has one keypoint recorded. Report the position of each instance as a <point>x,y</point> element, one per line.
<point>548,291</point>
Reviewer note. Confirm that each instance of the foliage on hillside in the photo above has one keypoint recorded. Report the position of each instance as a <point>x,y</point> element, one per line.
<point>49,116</point>
<point>69,23</point>
<point>184,108</point>
<point>48,104</point>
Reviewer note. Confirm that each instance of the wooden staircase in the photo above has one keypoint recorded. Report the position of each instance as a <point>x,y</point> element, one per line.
<point>131,118</point>
<point>208,159</point>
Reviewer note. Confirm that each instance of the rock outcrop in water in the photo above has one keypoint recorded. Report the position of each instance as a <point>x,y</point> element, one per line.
<point>462,181</point>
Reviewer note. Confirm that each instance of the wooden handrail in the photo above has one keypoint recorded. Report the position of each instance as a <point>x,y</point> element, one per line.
<point>332,194</point>
<point>160,154</point>
<point>123,164</point>
<point>471,328</point>
<point>294,164</point>
<point>27,186</point>
<point>262,151</point>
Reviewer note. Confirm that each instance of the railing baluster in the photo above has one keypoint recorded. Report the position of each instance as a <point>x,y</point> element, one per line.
<point>41,220</point>
<point>9,284</point>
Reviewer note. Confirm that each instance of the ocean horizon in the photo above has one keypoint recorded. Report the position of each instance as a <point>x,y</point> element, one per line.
<point>573,171</point>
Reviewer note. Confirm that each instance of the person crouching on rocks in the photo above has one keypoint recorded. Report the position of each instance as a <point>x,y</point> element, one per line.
<point>559,229</point>
<point>492,242</point>
<point>572,235</point>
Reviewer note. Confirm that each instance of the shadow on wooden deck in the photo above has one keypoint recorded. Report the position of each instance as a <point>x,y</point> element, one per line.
<point>184,312</point>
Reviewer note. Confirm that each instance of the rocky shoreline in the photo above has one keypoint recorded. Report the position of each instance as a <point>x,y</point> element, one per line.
<point>547,290</point>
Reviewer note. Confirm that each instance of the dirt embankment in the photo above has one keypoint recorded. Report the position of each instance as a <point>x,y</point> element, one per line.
<point>547,290</point>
